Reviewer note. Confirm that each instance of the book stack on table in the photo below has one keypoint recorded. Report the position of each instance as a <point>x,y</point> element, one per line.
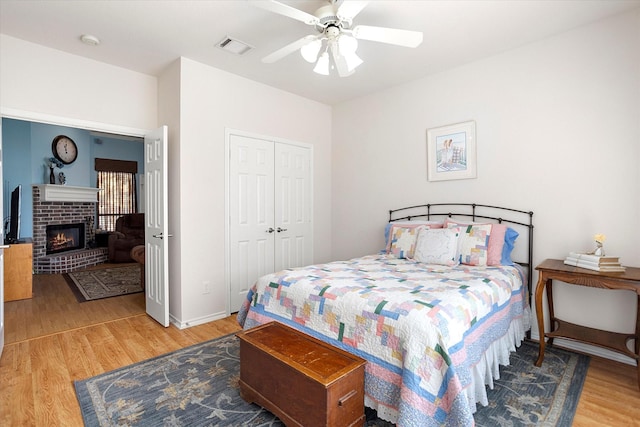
<point>594,262</point>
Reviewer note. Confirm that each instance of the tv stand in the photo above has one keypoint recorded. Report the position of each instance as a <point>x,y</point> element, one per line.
<point>18,271</point>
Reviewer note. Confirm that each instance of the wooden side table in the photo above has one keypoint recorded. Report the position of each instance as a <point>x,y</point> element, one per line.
<point>18,272</point>
<point>102,238</point>
<point>555,269</point>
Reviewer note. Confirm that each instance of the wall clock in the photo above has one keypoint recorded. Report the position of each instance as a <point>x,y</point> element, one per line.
<point>64,149</point>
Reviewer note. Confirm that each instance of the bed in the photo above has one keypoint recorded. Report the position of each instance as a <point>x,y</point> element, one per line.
<point>434,313</point>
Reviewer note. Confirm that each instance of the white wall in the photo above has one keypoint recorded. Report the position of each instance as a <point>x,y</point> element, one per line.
<point>558,133</point>
<point>212,100</point>
<point>169,114</point>
<point>70,89</point>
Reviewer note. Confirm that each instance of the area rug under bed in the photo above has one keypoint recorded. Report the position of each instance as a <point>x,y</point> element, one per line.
<point>198,386</point>
<point>89,285</point>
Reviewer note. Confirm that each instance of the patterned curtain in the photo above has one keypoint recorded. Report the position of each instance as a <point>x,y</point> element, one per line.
<point>117,180</point>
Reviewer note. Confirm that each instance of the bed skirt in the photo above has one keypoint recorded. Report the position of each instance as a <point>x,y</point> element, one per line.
<point>487,370</point>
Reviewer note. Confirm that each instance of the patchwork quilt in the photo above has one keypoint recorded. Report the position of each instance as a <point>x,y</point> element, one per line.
<point>422,328</point>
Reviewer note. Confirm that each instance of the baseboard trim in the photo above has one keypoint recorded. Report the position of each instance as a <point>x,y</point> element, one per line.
<point>197,321</point>
<point>589,349</point>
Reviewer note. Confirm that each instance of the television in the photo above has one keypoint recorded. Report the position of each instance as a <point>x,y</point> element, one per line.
<point>13,234</point>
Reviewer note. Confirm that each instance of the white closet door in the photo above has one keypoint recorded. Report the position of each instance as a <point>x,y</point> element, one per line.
<point>251,220</point>
<point>293,242</point>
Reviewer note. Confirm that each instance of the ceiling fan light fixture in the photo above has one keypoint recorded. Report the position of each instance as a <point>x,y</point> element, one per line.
<point>310,51</point>
<point>352,60</point>
<point>347,44</point>
<point>322,66</point>
<point>340,40</point>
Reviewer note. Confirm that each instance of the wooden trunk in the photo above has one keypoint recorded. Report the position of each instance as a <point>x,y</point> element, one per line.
<point>304,381</point>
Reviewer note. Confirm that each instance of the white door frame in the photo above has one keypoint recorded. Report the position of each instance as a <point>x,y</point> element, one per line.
<point>227,137</point>
<point>11,113</point>
<point>2,248</point>
<point>49,119</point>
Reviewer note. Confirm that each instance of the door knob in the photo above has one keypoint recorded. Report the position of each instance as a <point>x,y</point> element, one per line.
<point>270,230</point>
<point>279,230</point>
<point>160,236</point>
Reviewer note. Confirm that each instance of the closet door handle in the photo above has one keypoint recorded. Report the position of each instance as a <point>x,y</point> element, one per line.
<point>270,230</point>
<point>280,230</point>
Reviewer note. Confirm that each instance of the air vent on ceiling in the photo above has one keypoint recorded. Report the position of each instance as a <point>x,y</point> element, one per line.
<point>232,45</point>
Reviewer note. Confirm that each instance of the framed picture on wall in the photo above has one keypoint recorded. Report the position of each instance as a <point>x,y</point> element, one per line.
<point>451,152</point>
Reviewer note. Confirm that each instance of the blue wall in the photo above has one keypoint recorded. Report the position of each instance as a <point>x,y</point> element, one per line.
<point>16,170</point>
<point>26,148</point>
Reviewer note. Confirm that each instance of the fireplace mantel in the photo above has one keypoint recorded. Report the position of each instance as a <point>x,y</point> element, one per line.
<point>67,193</point>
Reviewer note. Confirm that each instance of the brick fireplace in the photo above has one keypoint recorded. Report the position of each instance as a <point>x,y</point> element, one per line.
<point>61,205</point>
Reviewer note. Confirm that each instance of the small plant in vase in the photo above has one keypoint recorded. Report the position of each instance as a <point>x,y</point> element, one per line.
<point>53,163</point>
<point>599,238</point>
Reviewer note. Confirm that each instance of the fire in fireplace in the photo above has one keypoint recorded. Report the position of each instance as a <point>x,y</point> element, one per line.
<point>65,237</point>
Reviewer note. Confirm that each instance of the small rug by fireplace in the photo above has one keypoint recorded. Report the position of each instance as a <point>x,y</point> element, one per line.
<point>89,285</point>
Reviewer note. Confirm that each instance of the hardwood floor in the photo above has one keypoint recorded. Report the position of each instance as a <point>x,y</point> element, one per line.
<point>610,396</point>
<point>54,308</point>
<point>37,372</point>
<point>36,375</point>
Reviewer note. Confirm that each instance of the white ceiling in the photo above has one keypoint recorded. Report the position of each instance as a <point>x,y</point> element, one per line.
<point>146,36</point>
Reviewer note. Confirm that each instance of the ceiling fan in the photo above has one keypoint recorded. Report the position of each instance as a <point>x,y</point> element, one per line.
<point>335,35</point>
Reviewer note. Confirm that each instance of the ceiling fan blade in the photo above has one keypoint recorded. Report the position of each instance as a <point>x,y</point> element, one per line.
<point>290,48</point>
<point>283,9</point>
<point>388,35</point>
<point>349,9</point>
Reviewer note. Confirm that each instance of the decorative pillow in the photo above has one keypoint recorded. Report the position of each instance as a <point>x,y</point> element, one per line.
<point>501,241</point>
<point>456,222</point>
<point>496,243</point>
<point>438,246</point>
<point>473,244</point>
<point>402,240</point>
<point>409,224</point>
<point>510,237</point>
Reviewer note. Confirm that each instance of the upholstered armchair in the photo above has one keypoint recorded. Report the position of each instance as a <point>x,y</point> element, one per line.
<point>129,232</point>
<point>137,254</point>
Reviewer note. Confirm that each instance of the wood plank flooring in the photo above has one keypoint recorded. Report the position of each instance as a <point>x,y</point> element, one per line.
<point>39,365</point>
<point>36,375</point>
<point>54,308</point>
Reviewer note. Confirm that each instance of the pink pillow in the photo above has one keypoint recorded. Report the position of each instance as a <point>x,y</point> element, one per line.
<point>496,243</point>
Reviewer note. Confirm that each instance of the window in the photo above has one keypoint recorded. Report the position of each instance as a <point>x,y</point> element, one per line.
<point>117,180</point>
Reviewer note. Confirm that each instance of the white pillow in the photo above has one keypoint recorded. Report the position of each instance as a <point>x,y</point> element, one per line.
<point>414,223</point>
<point>437,246</point>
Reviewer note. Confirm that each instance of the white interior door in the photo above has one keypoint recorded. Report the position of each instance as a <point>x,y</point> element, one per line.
<point>1,258</point>
<point>251,214</point>
<point>156,227</point>
<point>293,242</point>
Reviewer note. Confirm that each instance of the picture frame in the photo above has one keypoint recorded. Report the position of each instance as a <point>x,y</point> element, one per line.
<point>451,152</point>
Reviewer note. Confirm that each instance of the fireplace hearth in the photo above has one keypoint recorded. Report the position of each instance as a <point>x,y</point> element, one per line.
<point>64,237</point>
